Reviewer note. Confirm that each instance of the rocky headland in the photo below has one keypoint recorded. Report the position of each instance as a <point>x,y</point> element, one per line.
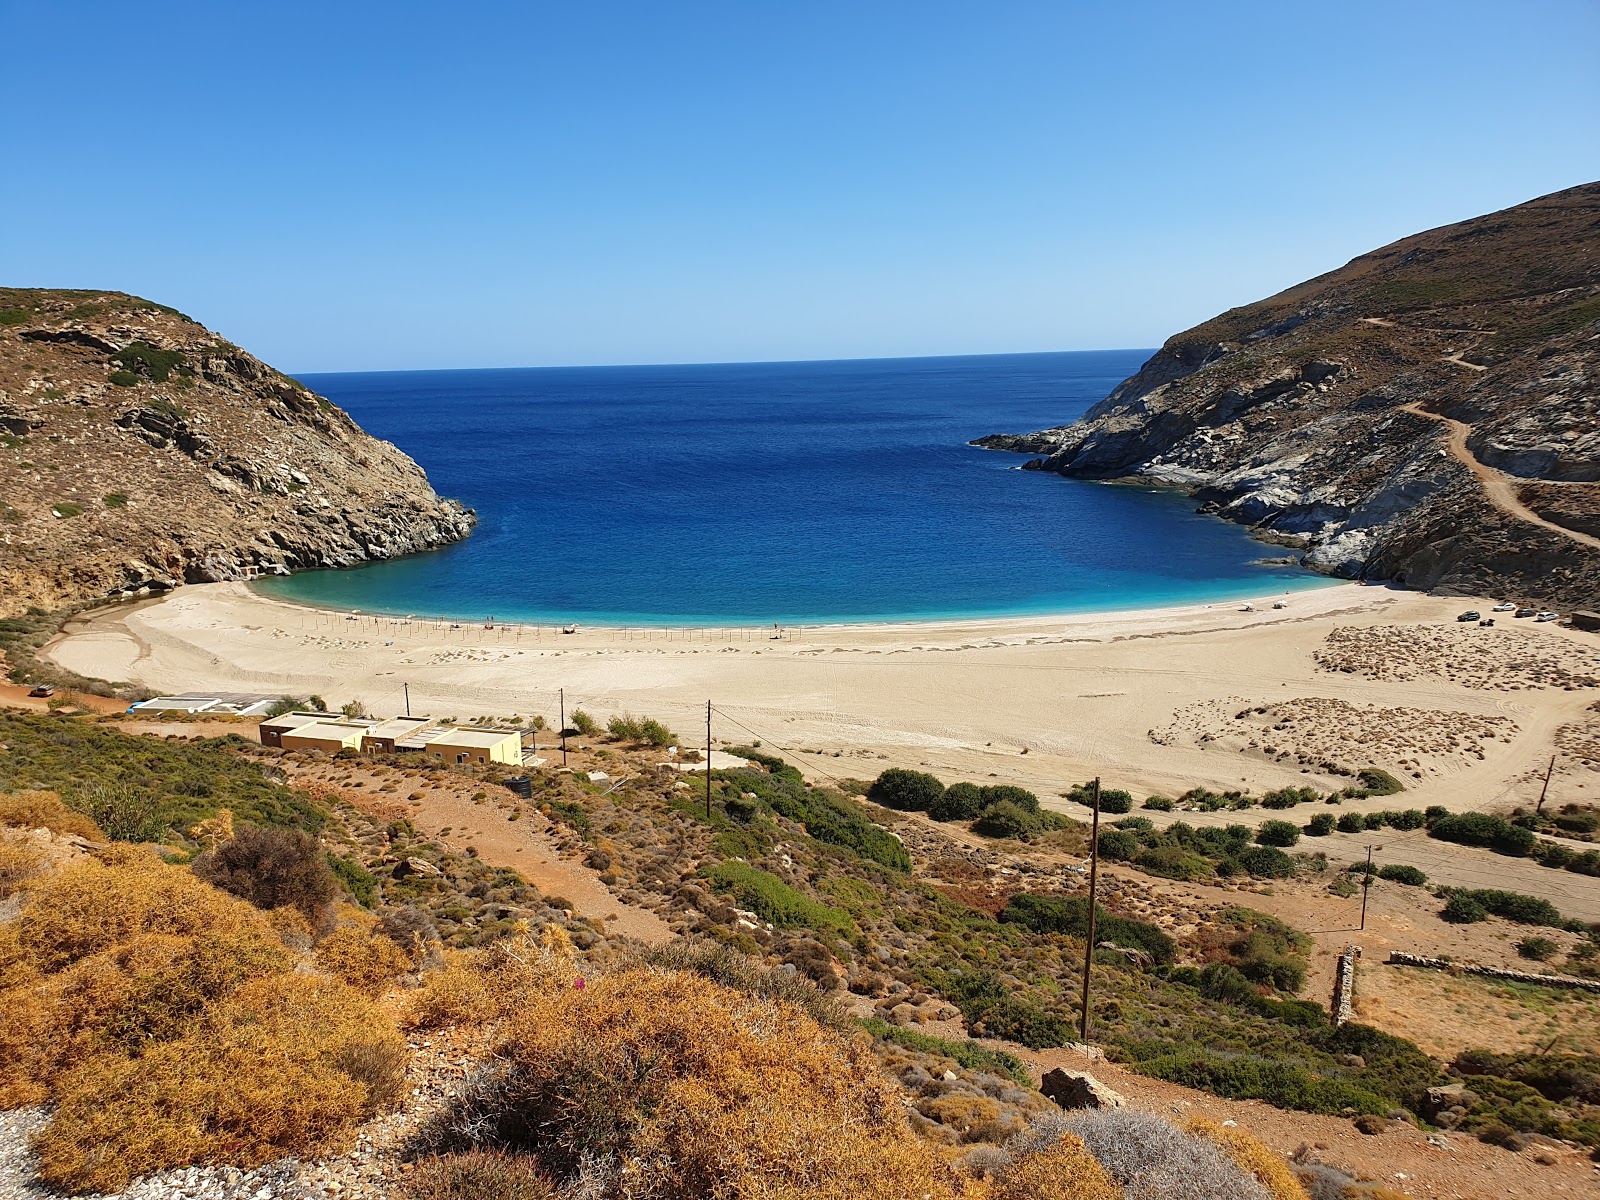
<point>140,451</point>
<point>1427,413</point>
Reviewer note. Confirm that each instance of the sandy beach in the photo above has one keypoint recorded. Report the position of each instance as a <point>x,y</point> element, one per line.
<point>1156,701</point>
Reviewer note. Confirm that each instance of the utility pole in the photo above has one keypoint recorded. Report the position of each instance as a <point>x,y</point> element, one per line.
<point>562,693</point>
<point>407,687</point>
<point>708,760</point>
<point>1539,808</point>
<point>1366,886</point>
<point>1094,894</point>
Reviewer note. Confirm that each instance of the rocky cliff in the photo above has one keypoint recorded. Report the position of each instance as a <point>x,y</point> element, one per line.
<point>140,451</point>
<point>1427,413</point>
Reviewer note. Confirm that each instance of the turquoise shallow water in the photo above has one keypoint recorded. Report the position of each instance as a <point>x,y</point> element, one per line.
<point>796,492</point>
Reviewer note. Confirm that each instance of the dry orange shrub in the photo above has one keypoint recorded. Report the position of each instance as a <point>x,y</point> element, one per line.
<point>19,862</point>
<point>484,986</point>
<point>44,810</point>
<point>1064,1170</point>
<point>357,954</point>
<point>1270,1170</point>
<point>703,1091</point>
<point>165,1020</point>
<point>264,1074</point>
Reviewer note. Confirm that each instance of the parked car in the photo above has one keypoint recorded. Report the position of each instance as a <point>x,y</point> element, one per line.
<point>1504,606</point>
<point>1471,614</point>
<point>1525,612</point>
<point>1548,616</point>
<point>43,691</point>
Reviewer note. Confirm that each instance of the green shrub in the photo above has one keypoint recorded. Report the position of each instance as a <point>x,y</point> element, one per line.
<point>1351,823</point>
<point>123,378</point>
<point>1288,797</point>
<point>1379,782</point>
<point>1410,818</point>
<point>1266,862</point>
<point>1070,915</point>
<point>965,1053</point>
<point>1158,803</point>
<point>1403,874</point>
<point>1483,829</point>
<point>1462,909</point>
<point>1174,862</point>
<point>1006,820</point>
<point>908,791</point>
<point>115,500</point>
<point>1540,949</point>
<point>959,802</point>
<point>1118,845</point>
<point>1320,825</point>
<point>355,879</point>
<point>67,509</point>
<point>1277,833</point>
<point>1514,906</point>
<point>828,816</point>
<point>146,360</point>
<point>775,901</point>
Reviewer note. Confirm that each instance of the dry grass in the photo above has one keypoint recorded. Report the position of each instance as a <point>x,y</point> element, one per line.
<point>261,1076</point>
<point>356,953</point>
<point>479,1175</point>
<point>19,862</point>
<point>167,1022</point>
<point>1063,1170</point>
<point>689,1088</point>
<point>485,986</point>
<point>44,810</point>
<point>1270,1170</point>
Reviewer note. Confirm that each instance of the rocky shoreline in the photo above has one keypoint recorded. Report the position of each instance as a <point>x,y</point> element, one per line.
<point>141,452</point>
<point>1420,415</point>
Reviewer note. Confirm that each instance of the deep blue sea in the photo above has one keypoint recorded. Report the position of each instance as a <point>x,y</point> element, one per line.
<point>760,492</point>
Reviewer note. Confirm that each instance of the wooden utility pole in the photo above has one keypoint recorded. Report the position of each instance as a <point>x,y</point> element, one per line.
<point>1366,886</point>
<point>1094,895</point>
<point>561,694</point>
<point>407,687</point>
<point>1548,771</point>
<point>708,760</point>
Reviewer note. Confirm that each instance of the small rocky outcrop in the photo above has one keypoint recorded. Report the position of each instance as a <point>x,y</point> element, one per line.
<point>1314,417</point>
<point>1075,1089</point>
<point>139,451</point>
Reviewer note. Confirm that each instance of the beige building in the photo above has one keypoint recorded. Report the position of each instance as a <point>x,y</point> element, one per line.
<point>471,745</point>
<point>271,730</point>
<point>328,736</point>
<point>381,738</point>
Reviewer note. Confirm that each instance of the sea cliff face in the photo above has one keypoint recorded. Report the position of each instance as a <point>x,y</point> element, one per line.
<point>1427,413</point>
<point>140,451</point>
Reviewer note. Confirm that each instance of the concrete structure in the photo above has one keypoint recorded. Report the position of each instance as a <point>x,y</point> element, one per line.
<point>1586,619</point>
<point>228,704</point>
<point>328,736</point>
<point>271,730</point>
<point>385,736</point>
<point>470,744</point>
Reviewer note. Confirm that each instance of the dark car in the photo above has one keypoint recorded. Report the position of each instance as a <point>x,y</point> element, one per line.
<point>1470,615</point>
<point>1525,612</point>
<point>44,691</point>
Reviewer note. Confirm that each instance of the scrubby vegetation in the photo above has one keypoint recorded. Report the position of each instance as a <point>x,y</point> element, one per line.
<point>137,999</point>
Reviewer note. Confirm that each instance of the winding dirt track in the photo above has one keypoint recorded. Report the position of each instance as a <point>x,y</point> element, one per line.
<point>1500,488</point>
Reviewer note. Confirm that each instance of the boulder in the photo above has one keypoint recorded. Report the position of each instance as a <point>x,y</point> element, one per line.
<point>1076,1089</point>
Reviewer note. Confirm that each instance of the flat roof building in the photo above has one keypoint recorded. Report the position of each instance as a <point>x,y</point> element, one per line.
<point>383,737</point>
<point>467,743</point>
<point>271,730</point>
<point>328,736</point>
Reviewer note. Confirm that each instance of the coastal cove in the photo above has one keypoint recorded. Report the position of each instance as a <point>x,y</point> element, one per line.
<point>745,494</point>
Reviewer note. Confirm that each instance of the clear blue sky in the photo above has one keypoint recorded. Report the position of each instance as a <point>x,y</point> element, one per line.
<point>348,186</point>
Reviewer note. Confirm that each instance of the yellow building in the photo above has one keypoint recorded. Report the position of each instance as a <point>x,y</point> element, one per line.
<point>468,744</point>
<point>328,736</point>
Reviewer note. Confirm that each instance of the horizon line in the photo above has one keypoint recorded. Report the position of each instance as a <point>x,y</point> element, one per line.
<point>731,362</point>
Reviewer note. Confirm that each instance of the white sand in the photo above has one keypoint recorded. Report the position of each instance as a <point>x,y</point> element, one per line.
<point>1043,701</point>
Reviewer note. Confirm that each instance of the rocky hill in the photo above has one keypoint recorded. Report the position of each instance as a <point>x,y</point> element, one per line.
<point>1427,413</point>
<point>139,450</point>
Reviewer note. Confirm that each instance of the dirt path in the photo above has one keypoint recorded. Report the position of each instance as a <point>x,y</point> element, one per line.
<point>1497,485</point>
